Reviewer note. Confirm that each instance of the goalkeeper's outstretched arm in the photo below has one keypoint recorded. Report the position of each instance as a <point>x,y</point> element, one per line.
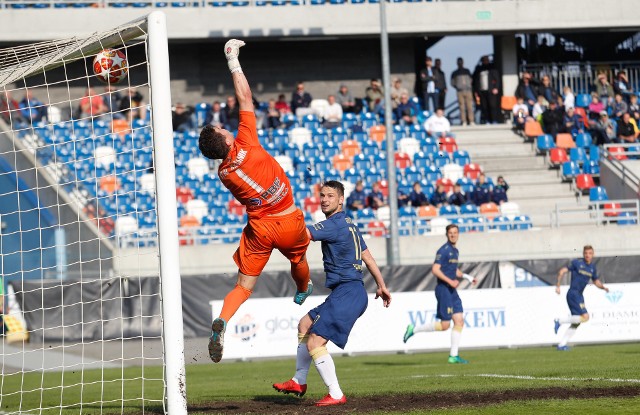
<point>240,83</point>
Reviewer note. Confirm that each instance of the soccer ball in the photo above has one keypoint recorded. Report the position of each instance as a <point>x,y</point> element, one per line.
<point>110,66</point>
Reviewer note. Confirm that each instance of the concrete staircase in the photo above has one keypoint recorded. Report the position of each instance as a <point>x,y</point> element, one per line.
<point>533,185</point>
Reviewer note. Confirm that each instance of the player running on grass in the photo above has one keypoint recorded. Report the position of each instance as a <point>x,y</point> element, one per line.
<point>258,182</point>
<point>446,270</point>
<point>343,252</point>
<point>582,271</point>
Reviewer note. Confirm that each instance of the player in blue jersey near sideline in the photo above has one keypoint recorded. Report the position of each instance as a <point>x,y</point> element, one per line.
<point>446,270</point>
<point>343,252</point>
<point>583,271</point>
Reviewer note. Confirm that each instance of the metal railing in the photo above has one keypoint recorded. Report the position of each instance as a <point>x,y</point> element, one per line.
<point>631,151</point>
<point>621,212</point>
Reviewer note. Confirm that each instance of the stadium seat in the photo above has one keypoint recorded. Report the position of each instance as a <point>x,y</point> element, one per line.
<point>597,194</point>
<point>469,209</point>
<point>406,212</point>
<point>532,129</point>
<point>509,209</point>
<point>350,148</point>
<point>319,105</point>
<point>428,211</point>
<point>383,214</point>
<point>438,226</point>
<point>201,110</point>
<point>507,102</point>
<point>611,210</point>
<point>342,162</point>
<point>461,158</point>
<point>290,120</point>
<point>570,169</point>
<point>352,175</point>
<point>402,160</point>
<point>197,208</point>
<point>368,120</point>
<point>627,218</point>
<point>311,150</point>
<point>591,167</point>
<point>412,174</point>
<point>330,149</point>
<point>310,122</point>
<point>449,147</point>
<point>104,156</point>
<point>565,140</point>
<point>404,186</point>
<point>339,134</point>
<point>584,140</point>
<point>349,120</point>
<point>501,223</point>
<point>302,164</point>
<point>409,145</point>
<point>452,172</point>
<point>109,183</point>
<point>583,100</point>
<point>300,135</point>
<point>369,148</point>
<point>557,156</point>
<point>378,133</point>
<point>198,167</point>
<point>472,171</point>
<point>311,204</point>
<point>380,161</point>
<point>432,173</point>
<point>448,210</point>
<point>544,143</point>
<point>578,155</point>
<point>490,210</point>
<point>429,145</point>
<point>617,153</point>
<point>441,158</point>
<point>522,222</point>
<point>376,228</point>
<point>584,182</point>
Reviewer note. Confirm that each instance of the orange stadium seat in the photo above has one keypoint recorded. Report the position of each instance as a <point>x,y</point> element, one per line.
<point>378,133</point>
<point>341,162</point>
<point>109,184</point>
<point>565,140</point>
<point>350,148</point>
<point>507,102</point>
<point>120,127</point>
<point>532,129</point>
<point>428,211</point>
<point>490,210</point>
<point>186,235</point>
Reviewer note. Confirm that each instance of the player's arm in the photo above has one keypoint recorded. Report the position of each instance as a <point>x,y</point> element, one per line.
<point>600,285</point>
<point>437,271</point>
<point>240,83</point>
<point>321,231</point>
<point>561,273</point>
<point>382,290</point>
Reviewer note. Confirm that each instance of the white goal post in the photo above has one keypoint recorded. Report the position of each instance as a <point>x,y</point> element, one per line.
<point>74,154</point>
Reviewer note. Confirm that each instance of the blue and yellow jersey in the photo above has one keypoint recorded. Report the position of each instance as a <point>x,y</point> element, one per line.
<point>342,247</point>
<point>581,274</point>
<point>447,257</point>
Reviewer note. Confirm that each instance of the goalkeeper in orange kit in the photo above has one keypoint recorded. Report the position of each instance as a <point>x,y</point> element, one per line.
<point>258,182</point>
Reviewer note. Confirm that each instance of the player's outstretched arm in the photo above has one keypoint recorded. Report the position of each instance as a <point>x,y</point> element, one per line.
<point>561,273</point>
<point>600,285</point>
<point>382,290</point>
<point>240,83</point>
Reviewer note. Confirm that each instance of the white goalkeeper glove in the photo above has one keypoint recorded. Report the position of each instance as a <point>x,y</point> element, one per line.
<point>468,278</point>
<point>231,51</point>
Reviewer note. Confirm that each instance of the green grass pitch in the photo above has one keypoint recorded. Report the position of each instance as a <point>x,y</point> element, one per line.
<point>489,372</point>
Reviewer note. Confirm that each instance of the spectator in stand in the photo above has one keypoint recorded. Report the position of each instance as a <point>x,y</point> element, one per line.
<point>437,125</point>
<point>552,119</point>
<point>300,100</point>
<point>626,131</point>
<point>520,114</point>
<point>216,117</point>
<point>499,194</point>
<point>396,92</point>
<point>231,114</point>
<point>132,105</point>
<point>622,86</point>
<point>634,107</point>
<point>429,90</point>
<point>332,114</point>
<point>458,197</point>
<point>358,198</point>
<point>345,99</point>
<point>417,196</point>
<point>33,110</point>
<point>546,89</point>
<point>403,199</point>
<point>604,130</point>
<point>487,88</point>
<point>572,122</point>
<point>595,107</point>
<point>92,105</point>
<point>527,91</point>
<point>539,108</point>
<point>619,107</point>
<point>441,83</point>
<point>272,117</point>
<point>10,108</point>
<point>181,118</point>
<point>376,199</point>
<point>604,89</point>
<point>439,197</point>
<point>407,111</point>
<point>482,191</point>
<point>375,96</point>
<point>282,106</point>
<point>462,81</point>
<point>569,99</point>
<point>112,100</point>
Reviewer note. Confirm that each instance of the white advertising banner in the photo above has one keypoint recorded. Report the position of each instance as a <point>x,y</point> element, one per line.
<point>493,318</point>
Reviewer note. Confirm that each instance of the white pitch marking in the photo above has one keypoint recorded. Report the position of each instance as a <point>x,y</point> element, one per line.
<point>525,377</point>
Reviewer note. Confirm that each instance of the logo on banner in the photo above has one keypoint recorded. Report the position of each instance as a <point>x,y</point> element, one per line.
<point>246,328</point>
<point>614,296</point>
<point>473,317</point>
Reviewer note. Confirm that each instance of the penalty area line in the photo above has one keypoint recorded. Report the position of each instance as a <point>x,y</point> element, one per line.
<point>527,377</point>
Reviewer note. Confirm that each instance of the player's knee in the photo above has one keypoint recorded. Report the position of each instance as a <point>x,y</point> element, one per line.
<point>584,318</point>
<point>314,341</point>
<point>445,324</point>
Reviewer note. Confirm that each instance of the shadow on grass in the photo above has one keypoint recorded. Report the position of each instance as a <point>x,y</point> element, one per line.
<point>389,363</point>
<point>278,400</point>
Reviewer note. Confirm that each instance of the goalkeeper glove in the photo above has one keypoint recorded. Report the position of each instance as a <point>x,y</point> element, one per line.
<point>231,51</point>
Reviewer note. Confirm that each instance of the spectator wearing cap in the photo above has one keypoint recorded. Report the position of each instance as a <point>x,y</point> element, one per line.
<point>407,111</point>
<point>604,130</point>
<point>358,198</point>
<point>604,89</point>
<point>375,96</point>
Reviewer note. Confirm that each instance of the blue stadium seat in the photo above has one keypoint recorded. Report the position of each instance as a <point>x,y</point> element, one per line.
<point>352,175</point>
<point>428,145</point>
<point>301,163</point>
<point>448,210</point>
<point>522,222</point>
<point>332,174</point>
<point>441,158</point>
<point>368,120</point>
<point>598,194</point>
<point>570,169</point>
<point>404,186</point>
<point>291,150</point>
<point>583,100</point>
<point>405,227</point>
<point>339,135</point>
<point>591,167</point>
<point>432,173</point>
<point>461,158</point>
<point>578,155</point>
<point>330,149</point>
<point>322,164</point>
<point>201,110</point>
<point>466,184</point>
<point>584,140</point>
<point>372,176</point>
<point>501,223</point>
<point>594,153</point>
<point>361,162</point>
<point>312,176</point>
<point>311,150</point>
<point>349,120</point>
<point>544,143</point>
<point>319,135</point>
<point>271,149</point>
<point>407,212</point>
<point>380,161</point>
<point>469,209</point>
<point>412,174</point>
<point>369,148</point>
<point>360,136</point>
<point>289,120</point>
<point>310,122</point>
<point>627,218</point>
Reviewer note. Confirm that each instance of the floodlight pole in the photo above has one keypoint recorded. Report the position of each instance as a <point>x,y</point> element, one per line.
<point>393,246</point>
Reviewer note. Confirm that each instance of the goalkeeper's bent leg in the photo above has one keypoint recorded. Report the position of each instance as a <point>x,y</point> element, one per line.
<point>233,301</point>
<point>300,274</point>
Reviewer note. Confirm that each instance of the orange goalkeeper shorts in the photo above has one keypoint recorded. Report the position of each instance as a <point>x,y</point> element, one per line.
<point>286,233</point>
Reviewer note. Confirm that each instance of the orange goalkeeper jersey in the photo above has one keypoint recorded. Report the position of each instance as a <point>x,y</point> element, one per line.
<point>252,175</point>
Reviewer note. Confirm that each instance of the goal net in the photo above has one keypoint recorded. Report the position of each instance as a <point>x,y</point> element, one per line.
<point>78,147</point>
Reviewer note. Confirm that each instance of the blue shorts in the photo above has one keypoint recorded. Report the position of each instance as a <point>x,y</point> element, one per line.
<point>449,302</point>
<point>576,303</point>
<point>334,319</point>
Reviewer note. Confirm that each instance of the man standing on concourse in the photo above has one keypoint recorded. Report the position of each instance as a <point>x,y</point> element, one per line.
<point>258,182</point>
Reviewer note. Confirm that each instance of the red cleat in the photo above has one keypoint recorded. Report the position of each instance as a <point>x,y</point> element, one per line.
<point>291,386</point>
<point>329,401</point>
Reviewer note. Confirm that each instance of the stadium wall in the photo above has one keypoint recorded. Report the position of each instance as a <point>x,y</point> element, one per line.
<point>543,243</point>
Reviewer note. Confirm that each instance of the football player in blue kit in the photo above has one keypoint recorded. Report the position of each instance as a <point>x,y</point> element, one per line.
<point>583,271</point>
<point>343,252</point>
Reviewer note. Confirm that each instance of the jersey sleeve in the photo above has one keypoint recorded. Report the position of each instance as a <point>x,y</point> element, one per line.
<point>441,256</point>
<point>572,266</point>
<point>595,275</point>
<point>247,130</point>
<point>322,231</point>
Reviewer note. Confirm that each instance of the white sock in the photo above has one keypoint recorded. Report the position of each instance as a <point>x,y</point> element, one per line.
<point>456,334</point>
<point>327,370</point>
<point>303,361</point>
<point>568,334</point>
<point>435,326</point>
<point>570,320</point>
